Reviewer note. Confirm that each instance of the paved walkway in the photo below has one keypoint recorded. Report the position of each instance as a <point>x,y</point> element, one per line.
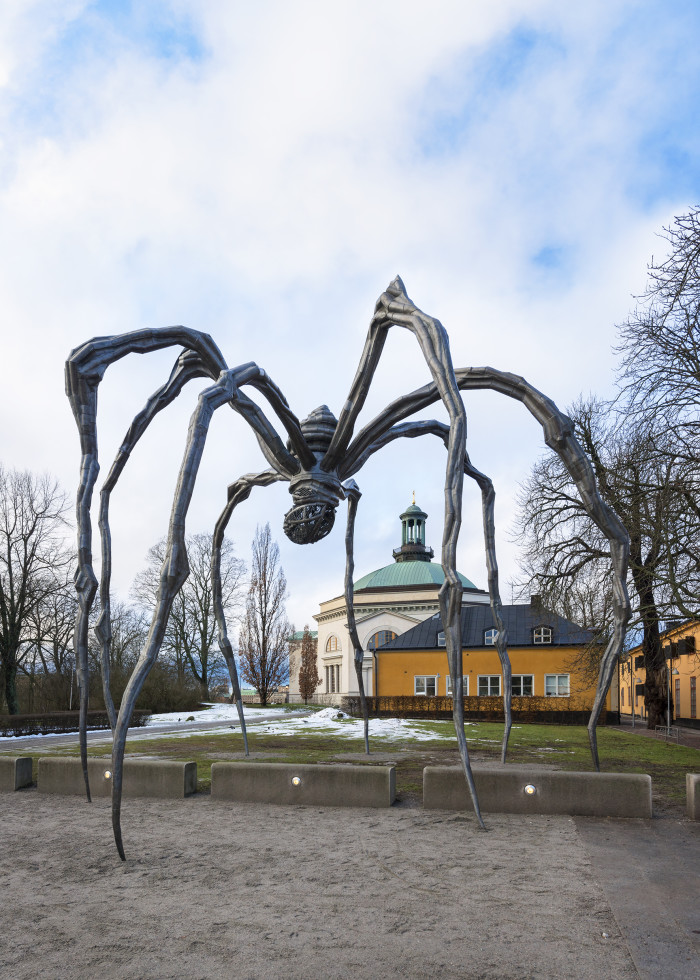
<point>650,873</point>
<point>689,737</point>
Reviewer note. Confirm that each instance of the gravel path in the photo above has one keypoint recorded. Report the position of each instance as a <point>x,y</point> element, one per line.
<point>254,892</point>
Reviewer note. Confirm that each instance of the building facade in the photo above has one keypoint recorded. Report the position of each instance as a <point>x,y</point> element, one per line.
<point>545,652</point>
<point>387,602</point>
<point>681,647</point>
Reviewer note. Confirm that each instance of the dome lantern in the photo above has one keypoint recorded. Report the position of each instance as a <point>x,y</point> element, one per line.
<point>413,546</point>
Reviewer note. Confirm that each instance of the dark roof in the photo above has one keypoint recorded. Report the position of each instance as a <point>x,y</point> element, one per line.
<point>519,620</point>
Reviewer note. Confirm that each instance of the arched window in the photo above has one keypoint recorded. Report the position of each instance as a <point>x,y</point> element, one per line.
<point>380,638</point>
<point>542,634</point>
<point>332,644</point>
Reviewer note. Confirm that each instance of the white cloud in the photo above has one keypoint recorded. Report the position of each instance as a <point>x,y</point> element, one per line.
<point>266,189</point>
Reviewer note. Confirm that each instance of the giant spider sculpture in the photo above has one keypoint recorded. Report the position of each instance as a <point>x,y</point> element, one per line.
<point>318,461</point>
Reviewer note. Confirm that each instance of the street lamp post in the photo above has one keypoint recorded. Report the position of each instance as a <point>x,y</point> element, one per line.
<point>668,694</point>
<point>635,681</point>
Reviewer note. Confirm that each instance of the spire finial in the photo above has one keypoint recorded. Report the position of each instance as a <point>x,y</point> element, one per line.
<point>414,496</point>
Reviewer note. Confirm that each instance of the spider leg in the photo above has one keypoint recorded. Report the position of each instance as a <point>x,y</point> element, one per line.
<point>175,566</point>
<point>488,500</point>
<point>85,369</point>
<point>353,494</point>
<point>237,493</point>
<point>187,367</point>
<point>560,437</point>
<point>394,308</point>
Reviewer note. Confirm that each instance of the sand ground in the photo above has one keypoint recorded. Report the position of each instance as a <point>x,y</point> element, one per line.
<point>253,892</point>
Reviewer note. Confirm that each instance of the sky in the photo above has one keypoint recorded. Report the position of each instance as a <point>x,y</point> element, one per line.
<point>260,172</point>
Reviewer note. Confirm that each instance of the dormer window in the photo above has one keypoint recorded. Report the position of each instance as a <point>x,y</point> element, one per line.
<point>542,634</point>
<point>490,637</point>
<point>441,639</point>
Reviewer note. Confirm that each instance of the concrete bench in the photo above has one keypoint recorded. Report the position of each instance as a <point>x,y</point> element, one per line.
<point>142,777</point>
<point>371,786</point>
<point>692,795</point>
<point>15,772</point>
<point>507,790</point>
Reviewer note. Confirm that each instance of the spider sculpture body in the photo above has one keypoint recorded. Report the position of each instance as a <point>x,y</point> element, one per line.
<point>318,461</point>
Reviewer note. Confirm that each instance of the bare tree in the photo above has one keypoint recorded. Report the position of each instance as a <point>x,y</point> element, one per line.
<point>660,343</point>
<point>191,637</point>
<point>565,557</point>
<point>33,556</point>
<point>265,631</point>
<point>49,662</point>
<point>308,669</point>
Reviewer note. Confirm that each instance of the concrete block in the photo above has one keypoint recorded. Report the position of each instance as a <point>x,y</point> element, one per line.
<point>142,777</point>
<point>505,790</point>
<point>692,794</point>
<point>15,772</point>
<point>371,786</point>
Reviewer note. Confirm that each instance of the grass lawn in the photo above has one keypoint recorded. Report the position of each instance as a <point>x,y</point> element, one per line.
<point>561,746</point>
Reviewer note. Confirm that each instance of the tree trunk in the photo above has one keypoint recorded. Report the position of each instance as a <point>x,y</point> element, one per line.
<point>655,691</point>
<point>10,671</point>
<point>655,685</point>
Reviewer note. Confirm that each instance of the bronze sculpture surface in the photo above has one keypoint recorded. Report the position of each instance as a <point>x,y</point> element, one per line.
<point>319,459</point>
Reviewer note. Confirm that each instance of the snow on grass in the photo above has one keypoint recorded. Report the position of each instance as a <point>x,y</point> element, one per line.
<point>213,712</point>
<point>333,721</point>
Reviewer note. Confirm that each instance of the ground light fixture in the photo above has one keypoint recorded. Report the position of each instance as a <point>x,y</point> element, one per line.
<point>530,789</point>
<point>108,773</point>
<point>296,780</point>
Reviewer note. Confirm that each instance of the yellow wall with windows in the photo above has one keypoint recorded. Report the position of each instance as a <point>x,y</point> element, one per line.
<point>397,670</point>
<point>685,701</point>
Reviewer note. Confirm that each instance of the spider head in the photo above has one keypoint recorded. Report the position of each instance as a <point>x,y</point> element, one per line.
<point>316,493</point>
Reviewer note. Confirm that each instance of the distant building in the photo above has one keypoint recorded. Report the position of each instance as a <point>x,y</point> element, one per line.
<point>399,628</point>
<point>681,647</point>
<point>545,651</point>
<point>388,601</point>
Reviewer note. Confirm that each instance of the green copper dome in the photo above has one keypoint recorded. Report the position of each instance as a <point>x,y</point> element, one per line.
<point>412,564</point>
<point>405,574</point>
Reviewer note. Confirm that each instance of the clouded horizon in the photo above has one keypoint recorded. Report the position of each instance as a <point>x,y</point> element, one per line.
<point>261,172</point>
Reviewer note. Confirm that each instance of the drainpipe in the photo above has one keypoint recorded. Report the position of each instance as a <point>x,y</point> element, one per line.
<point>375,686</point>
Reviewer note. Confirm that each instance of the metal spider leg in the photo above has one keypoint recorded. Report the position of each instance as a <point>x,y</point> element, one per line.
<point>410,430</point>
<point>237,493</point>
<point>353,494</point>
<point>187,367</point>
<point>175,566</point>
<point>559,436</point>
<point>85,369</point>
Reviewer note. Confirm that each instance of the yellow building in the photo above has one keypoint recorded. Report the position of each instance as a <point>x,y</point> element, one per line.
<point>681,646</point>
<point>388,601</point>
<point>545,652</point>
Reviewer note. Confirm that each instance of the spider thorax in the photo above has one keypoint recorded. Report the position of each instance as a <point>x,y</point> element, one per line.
<point>316,493</point>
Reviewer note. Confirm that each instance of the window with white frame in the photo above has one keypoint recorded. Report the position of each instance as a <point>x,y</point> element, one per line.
<point>522,685</point>
<point>489,685</point>
<point>556,685</point>
<point>542,634</point>
<point>465,685</point>
<point>490,637</point>
<point>441,639</point>
<point>425,686</point>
